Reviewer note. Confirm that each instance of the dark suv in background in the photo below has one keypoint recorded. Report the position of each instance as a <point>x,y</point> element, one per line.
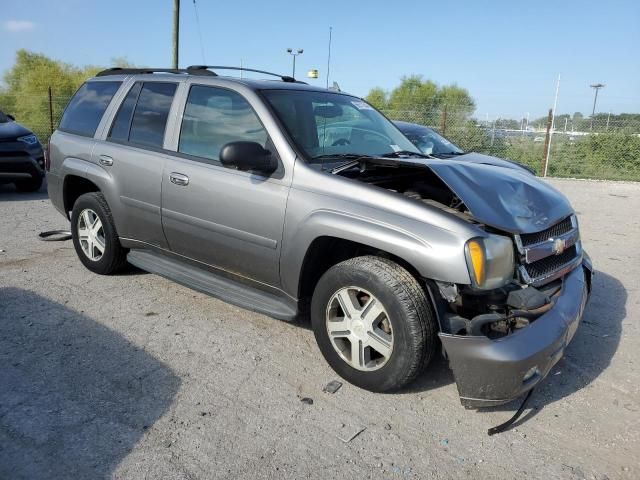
<point>21,156</point>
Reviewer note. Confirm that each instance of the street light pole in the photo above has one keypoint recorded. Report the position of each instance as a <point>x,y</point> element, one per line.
<point>294,55</point>
<point>596,87</point>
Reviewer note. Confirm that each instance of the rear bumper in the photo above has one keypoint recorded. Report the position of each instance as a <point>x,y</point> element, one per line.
<point>492,372</point>
<point>20,167</point>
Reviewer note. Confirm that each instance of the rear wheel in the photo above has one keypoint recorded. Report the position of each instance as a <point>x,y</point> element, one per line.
<point>94,235</point>
<point>373,323</point>
<point>32,184</point>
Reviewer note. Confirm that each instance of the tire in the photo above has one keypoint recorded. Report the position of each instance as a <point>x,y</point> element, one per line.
<point>113,256</point>
<point>410,326</point>
<point>31,185</point>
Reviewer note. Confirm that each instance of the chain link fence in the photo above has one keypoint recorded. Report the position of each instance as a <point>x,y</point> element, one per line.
<point>598,148</point>
<point>39,113</point>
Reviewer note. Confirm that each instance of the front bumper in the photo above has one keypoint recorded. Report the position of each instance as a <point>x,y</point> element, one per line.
<point>491,372</point>
<point>20,166</point>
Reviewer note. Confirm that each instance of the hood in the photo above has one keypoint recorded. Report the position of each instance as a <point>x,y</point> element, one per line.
<point>472,157</point>
<point>12,130</point>
<point>506,197</point>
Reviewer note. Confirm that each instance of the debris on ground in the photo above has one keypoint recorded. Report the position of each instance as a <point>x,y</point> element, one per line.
<point>332,387</point>
<point>307,400</point>
<point>354,434</point>
<point>387,427</point>
<point>55,235</point>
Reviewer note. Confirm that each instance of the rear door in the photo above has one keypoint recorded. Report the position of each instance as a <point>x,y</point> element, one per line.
<point>226,218</point>
<point>134,156</point>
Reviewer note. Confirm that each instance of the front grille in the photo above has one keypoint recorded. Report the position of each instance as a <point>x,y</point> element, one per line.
<point>549,265</point>
<point>556,230</point>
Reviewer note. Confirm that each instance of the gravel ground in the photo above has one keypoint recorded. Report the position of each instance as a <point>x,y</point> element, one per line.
<point>134,376</point>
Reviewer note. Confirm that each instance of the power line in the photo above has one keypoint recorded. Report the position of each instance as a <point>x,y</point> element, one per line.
<point>195,8</point>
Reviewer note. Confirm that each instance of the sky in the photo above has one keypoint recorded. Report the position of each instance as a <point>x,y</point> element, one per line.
<point>507,54</point>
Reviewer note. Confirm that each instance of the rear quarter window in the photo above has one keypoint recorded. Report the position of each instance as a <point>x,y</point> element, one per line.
<point>84,111</point>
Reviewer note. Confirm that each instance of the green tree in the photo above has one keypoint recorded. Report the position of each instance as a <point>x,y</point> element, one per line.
<point>378,98</point>
<point>25,94</point>
<point>423,101</point>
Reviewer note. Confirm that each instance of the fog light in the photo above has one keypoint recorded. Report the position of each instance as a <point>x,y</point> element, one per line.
<point>532,372</point>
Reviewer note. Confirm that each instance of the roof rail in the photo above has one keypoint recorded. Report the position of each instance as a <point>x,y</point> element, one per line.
<point>208,68</point>
<point>137,71</point>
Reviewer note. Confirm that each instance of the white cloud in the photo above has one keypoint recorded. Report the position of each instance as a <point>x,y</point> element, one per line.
<point>19,25</point>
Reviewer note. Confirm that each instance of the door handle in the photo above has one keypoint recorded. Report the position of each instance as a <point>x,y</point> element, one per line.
<point>105,160</point>
<point>179,179</point>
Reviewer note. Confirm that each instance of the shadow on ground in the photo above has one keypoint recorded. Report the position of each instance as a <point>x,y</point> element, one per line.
<point>9,193</point>
<point>589,353</point>
<point>75,397</point>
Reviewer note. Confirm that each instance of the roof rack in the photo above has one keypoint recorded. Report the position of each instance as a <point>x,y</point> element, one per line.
<point>138,71</point>
<point>208,68</point>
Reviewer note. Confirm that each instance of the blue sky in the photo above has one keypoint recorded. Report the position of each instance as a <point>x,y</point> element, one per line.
<point>506,53</point>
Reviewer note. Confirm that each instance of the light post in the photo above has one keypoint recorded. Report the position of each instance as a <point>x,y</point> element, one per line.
<point>294,54</point>
<point>596,87</point>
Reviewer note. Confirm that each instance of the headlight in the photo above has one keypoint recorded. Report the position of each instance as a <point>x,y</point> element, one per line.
<point>28,139</point>
<point>490,261</point>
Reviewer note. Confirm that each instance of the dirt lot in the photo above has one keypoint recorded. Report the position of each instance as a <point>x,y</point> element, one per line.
<point>133,376</point>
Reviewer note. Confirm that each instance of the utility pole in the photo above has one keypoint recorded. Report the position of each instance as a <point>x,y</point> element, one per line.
<point>596,87</point>
<point>550,129</point>
<point>547,144</point>
<point>294,55</point>
<point>329,57</point>
<point>176,31</point>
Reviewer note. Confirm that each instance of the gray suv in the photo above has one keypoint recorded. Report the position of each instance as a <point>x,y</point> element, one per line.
<point>295,201</point>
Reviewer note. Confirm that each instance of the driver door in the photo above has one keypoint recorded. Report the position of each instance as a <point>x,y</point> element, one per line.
<point>229,219</point>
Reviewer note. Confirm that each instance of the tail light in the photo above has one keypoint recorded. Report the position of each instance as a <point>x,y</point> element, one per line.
<point>47,156</point>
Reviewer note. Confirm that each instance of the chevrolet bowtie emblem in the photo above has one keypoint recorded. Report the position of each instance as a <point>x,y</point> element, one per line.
<point>558,246</point>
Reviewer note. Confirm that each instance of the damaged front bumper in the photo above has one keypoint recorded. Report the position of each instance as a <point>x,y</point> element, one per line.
<point>492,372</point>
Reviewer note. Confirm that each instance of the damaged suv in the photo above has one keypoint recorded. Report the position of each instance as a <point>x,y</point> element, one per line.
<point>293,200</point>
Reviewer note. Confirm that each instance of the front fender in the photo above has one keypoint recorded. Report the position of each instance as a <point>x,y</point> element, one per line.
<point>434,252</point>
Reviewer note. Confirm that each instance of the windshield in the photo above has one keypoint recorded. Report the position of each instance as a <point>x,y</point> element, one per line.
<point>325,124</point>
<point>4,118</point>
<point>429,142</point>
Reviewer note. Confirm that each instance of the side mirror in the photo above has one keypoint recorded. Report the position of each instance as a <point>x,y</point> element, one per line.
<point>248,156</point>
<point>13,119</point>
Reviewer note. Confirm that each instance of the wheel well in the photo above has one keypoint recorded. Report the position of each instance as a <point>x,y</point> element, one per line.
<point>75,186</point>
<point>325,252</point>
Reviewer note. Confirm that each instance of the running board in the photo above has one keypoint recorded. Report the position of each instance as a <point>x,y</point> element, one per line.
<point>218,286</point>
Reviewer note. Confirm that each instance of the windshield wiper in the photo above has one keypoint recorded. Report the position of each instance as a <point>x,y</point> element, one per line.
<point>404,153</point>
<point>353,160</point>
<point>348,156</point>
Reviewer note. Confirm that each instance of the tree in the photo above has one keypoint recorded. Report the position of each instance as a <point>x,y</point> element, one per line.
<point>423,101</point>
<point>378,98</point>
<point>26,91</point>
<point>416,94</point>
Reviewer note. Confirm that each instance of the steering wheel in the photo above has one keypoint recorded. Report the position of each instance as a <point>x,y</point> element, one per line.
<point>341,141</point>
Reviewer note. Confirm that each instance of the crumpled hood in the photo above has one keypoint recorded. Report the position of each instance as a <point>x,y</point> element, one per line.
<point>473,157</point>
<point>12,130</point>
<point>502,196</point>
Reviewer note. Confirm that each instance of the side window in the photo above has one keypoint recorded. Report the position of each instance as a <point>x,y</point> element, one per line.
<point>85,110</point>
<point>214,117</point>
<point>120,127</point>
<point>150,114</point>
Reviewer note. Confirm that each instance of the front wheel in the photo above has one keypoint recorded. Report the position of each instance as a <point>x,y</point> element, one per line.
<point>373,323</point>
<point>94,235</point>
